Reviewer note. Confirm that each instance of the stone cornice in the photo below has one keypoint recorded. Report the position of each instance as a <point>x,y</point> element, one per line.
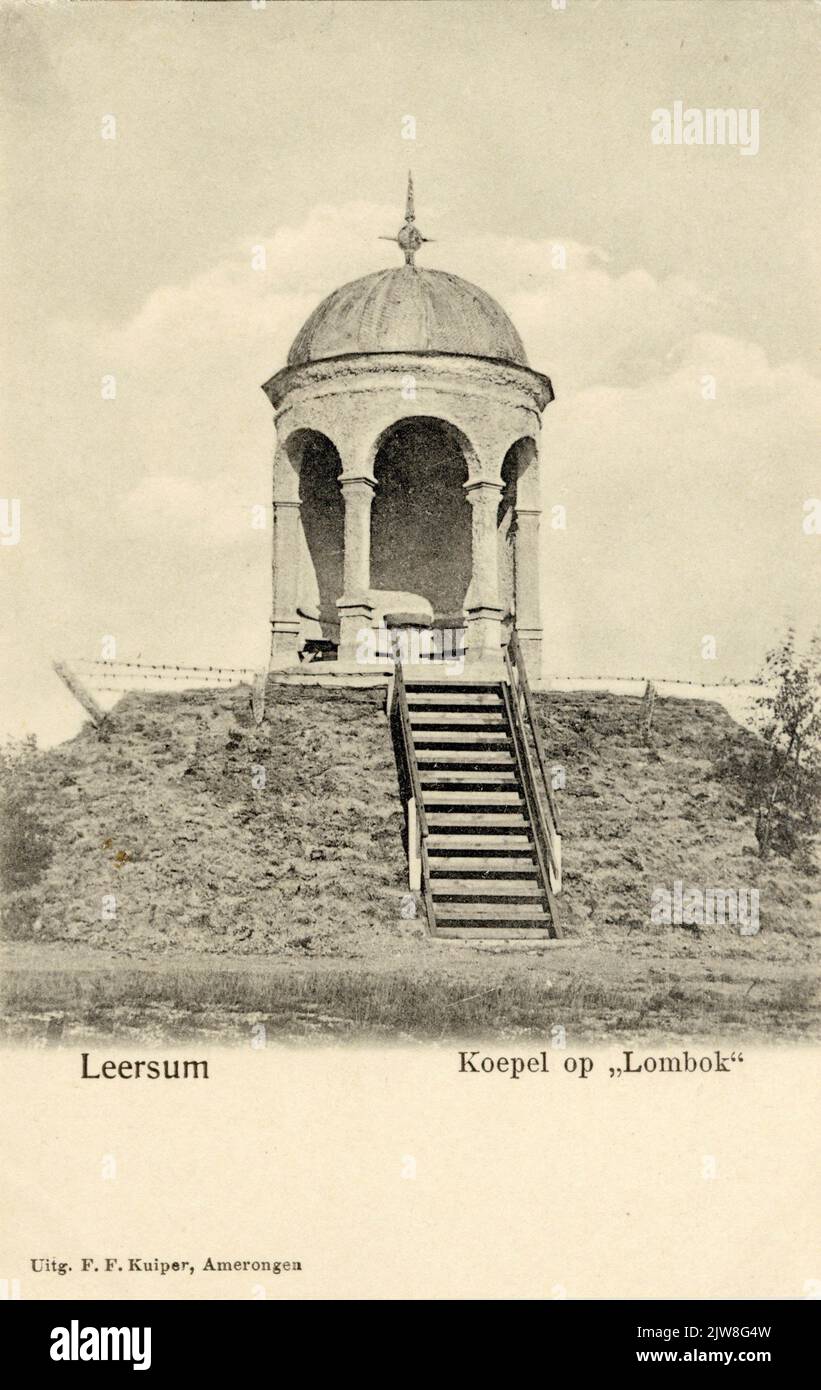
<point>435,370</point>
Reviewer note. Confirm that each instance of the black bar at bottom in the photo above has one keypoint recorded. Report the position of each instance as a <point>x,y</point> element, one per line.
<point>217,1339</point>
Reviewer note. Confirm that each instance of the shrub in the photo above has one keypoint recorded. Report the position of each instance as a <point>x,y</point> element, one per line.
<point>25,841</point>
<point>780,778</point>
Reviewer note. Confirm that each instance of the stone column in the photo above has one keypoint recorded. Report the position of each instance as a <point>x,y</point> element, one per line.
<point>528,603</point>
<point>354,605</point>
<point>484,635</point>
<point>285,620</point>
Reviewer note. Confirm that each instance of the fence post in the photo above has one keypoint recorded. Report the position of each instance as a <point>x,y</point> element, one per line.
<point>258,695</point>
<point>648,705</point>
<point>69,678</point>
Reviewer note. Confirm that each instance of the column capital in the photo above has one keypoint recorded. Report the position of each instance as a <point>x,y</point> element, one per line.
<point>473,485</point>
<point>347,479</point>
<point>528,511</point>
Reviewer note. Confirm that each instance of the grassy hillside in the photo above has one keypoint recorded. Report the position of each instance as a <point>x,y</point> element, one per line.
<point>238,902</point>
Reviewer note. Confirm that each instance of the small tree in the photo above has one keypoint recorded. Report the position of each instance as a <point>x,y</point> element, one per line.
<point>783,775</point>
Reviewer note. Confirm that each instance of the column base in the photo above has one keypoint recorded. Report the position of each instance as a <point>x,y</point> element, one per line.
<point>285,643</point>
<point>484,635</point>
<point>357,639</point>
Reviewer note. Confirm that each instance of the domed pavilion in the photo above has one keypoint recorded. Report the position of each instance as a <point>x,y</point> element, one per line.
<point>406,472</point>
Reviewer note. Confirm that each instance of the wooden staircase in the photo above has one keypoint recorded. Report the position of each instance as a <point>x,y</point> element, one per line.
<point>483,840</point>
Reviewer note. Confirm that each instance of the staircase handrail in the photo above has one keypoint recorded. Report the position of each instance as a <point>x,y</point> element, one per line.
<point>523,715</point>
<point>541,840</point>
<point>402,710</point>
<point>515,660</point>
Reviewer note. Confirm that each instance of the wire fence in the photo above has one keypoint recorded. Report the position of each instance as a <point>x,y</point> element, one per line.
<point>142,670</point>
<point>88,677</point>
<point>669,680</point>
<point>116,676</point>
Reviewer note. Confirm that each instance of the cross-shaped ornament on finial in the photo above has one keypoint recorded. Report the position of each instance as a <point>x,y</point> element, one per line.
<point>409,238</point>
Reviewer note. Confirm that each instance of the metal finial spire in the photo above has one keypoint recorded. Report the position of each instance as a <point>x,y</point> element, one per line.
<point>409,238</point>
<point>410,215</point>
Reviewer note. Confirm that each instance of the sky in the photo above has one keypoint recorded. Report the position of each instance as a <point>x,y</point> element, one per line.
<point>678,319</point>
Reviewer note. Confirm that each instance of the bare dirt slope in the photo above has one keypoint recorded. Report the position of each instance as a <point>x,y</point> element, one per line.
<point>237,901</point>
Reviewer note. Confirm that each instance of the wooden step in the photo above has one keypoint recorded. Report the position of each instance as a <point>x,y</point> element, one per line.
<point>440,681</point>
<point>477,779</point>
<point>487,888</point>
<point>469,912</point>
<point>442,840</point>
<point>455,718</point>
<point>453,864</point>
<point>478,818</point>
<point>496,757</point>
<point>473,798</point>
<point>522,931</point>
<point>452,697</point>
<point>423,736</point>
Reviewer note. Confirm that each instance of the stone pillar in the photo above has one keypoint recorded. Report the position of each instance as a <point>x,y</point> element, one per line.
<point>484,635</point>
<point>528,603</point>
<point>285,620</point>
<point>354,605</point>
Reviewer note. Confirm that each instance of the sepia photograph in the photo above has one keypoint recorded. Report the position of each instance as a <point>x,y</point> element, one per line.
<point>464,676</point>
<point>410,542</point>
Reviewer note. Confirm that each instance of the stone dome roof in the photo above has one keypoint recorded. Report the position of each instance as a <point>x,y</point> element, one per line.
<point>408,309</point>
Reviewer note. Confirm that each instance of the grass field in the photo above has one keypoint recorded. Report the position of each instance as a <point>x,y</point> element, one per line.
<point>593,994</point>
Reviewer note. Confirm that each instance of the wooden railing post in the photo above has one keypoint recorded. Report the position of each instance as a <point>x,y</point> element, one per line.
<point>414,849</point>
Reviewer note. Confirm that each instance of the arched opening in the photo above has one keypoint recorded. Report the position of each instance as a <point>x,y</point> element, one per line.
<point>420,521</point>
<point>322,515</point>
